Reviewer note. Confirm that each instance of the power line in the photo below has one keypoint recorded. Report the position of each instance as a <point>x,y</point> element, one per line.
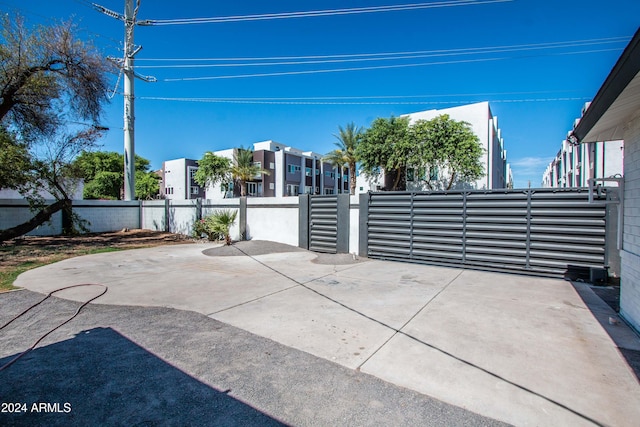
<point>397,55</point>
<point>376,67</point>
<point>284,101</point>
<point>318,13</point>
<point>274,58</point>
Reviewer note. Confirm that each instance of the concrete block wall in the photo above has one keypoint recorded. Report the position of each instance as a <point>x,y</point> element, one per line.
<point>16,211</point>
<point>630,254</point>
<point>108,215</point>
<point>153,215</point>
<point>182,214</point>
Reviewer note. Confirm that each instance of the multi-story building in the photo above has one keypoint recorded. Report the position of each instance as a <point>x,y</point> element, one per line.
<point>575,164</point>
<point>497,172</point>
<point>178,180</point>
<point>291,172</point>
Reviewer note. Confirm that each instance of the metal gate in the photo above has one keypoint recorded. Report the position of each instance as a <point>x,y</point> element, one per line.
<point>541,231</point>
<point>323,223</point>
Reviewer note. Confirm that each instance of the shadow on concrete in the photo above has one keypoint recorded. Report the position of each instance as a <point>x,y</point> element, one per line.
<point>604,305</point>
<point>100,377</point>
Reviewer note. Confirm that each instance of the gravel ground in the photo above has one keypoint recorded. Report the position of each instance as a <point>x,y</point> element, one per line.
<point>117,365</point>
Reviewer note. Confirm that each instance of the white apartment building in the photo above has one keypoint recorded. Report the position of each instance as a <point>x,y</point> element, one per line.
<point>574,164</point>
<point>497,172</point>
<point>177,180</point>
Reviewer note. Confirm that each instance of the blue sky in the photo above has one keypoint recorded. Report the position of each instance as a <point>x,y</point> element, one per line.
<point>535,90</point>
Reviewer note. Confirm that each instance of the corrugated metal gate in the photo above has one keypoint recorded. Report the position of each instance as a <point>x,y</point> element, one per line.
<point>541,231</point>
<point>323,223</point>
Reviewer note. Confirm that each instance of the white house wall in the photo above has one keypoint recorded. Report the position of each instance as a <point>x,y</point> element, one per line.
<point>174,177</point>
<point>630,253</point>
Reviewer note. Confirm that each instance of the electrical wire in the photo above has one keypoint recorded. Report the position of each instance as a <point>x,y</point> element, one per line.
<point>322,59</point>
<point>275,101</point>
<point>319,13</point>
<point>375,67</point>
<point>15,359</point>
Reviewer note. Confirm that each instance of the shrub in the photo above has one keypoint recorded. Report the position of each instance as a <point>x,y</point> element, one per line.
<point>216,226</point>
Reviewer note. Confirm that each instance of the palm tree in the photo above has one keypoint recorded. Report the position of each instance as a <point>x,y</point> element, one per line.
<point>345,156</point>
<point>244,169</point>
<point>222,220</point>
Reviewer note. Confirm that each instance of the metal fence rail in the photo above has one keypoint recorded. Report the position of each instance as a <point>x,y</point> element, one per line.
<point>541,231</point>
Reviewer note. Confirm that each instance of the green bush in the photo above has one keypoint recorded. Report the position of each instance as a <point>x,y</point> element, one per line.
<point>216,226</point>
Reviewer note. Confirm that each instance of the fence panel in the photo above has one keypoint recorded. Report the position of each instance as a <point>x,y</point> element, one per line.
<point>323,223</point>
<point>543,231</point>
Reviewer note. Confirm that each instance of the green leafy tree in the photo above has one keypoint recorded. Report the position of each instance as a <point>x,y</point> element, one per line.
<point>212,170</point>
<point>50,81</point>
<point>449,147</point>
<point>346,154</point>
<point>104,185</point>
<point>244,169</point>
<point>386,145</point>
<point>15,161</point>
<point>103,174</point>
<point>147,185</point>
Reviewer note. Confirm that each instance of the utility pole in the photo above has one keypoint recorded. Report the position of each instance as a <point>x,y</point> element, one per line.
<point>129,117</point>
<point>126,64</point>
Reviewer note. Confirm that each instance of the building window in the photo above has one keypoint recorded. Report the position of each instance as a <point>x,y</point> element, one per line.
<point>293,190</point>
<point>410,174</point>
<point>272,165</point>
<point>433,173</point>
<point>293,168</point>
<point>192,172</point>
<point>168,190</point>
<point>272,186</point>
<point>328,191</point>
<point>252,188</point>
<point>317,190</point>
<point>307,172</point>
<point>329,174</point>
<point>345,177</point>
<point>317,171</point>
<point>195,190</point>
<point>308,189</point>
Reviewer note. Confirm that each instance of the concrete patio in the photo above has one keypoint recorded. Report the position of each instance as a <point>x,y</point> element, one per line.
<point>519,349</point>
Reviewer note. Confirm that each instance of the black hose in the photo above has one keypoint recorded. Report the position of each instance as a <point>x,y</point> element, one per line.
<point>15,359</point>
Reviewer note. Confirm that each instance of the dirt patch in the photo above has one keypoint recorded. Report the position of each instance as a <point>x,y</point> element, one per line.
<point>38,250</point>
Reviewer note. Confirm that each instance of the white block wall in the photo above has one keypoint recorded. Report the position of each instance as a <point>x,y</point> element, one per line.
<point>153,215</point>
<point>630,254</point>
<point>273,218</point>
<point>15,212</point>
<point>182,214</point>
<point>108,215</point>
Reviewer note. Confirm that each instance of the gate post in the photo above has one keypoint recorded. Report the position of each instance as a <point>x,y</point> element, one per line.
<point>342,222</point>
<point>303,221</point>
<point>363,243</point>
<point>167,213</point>
<point>243,218</point>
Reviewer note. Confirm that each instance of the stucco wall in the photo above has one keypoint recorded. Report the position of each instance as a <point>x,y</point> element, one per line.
<point>274,219</point>
<point>630,254</point>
